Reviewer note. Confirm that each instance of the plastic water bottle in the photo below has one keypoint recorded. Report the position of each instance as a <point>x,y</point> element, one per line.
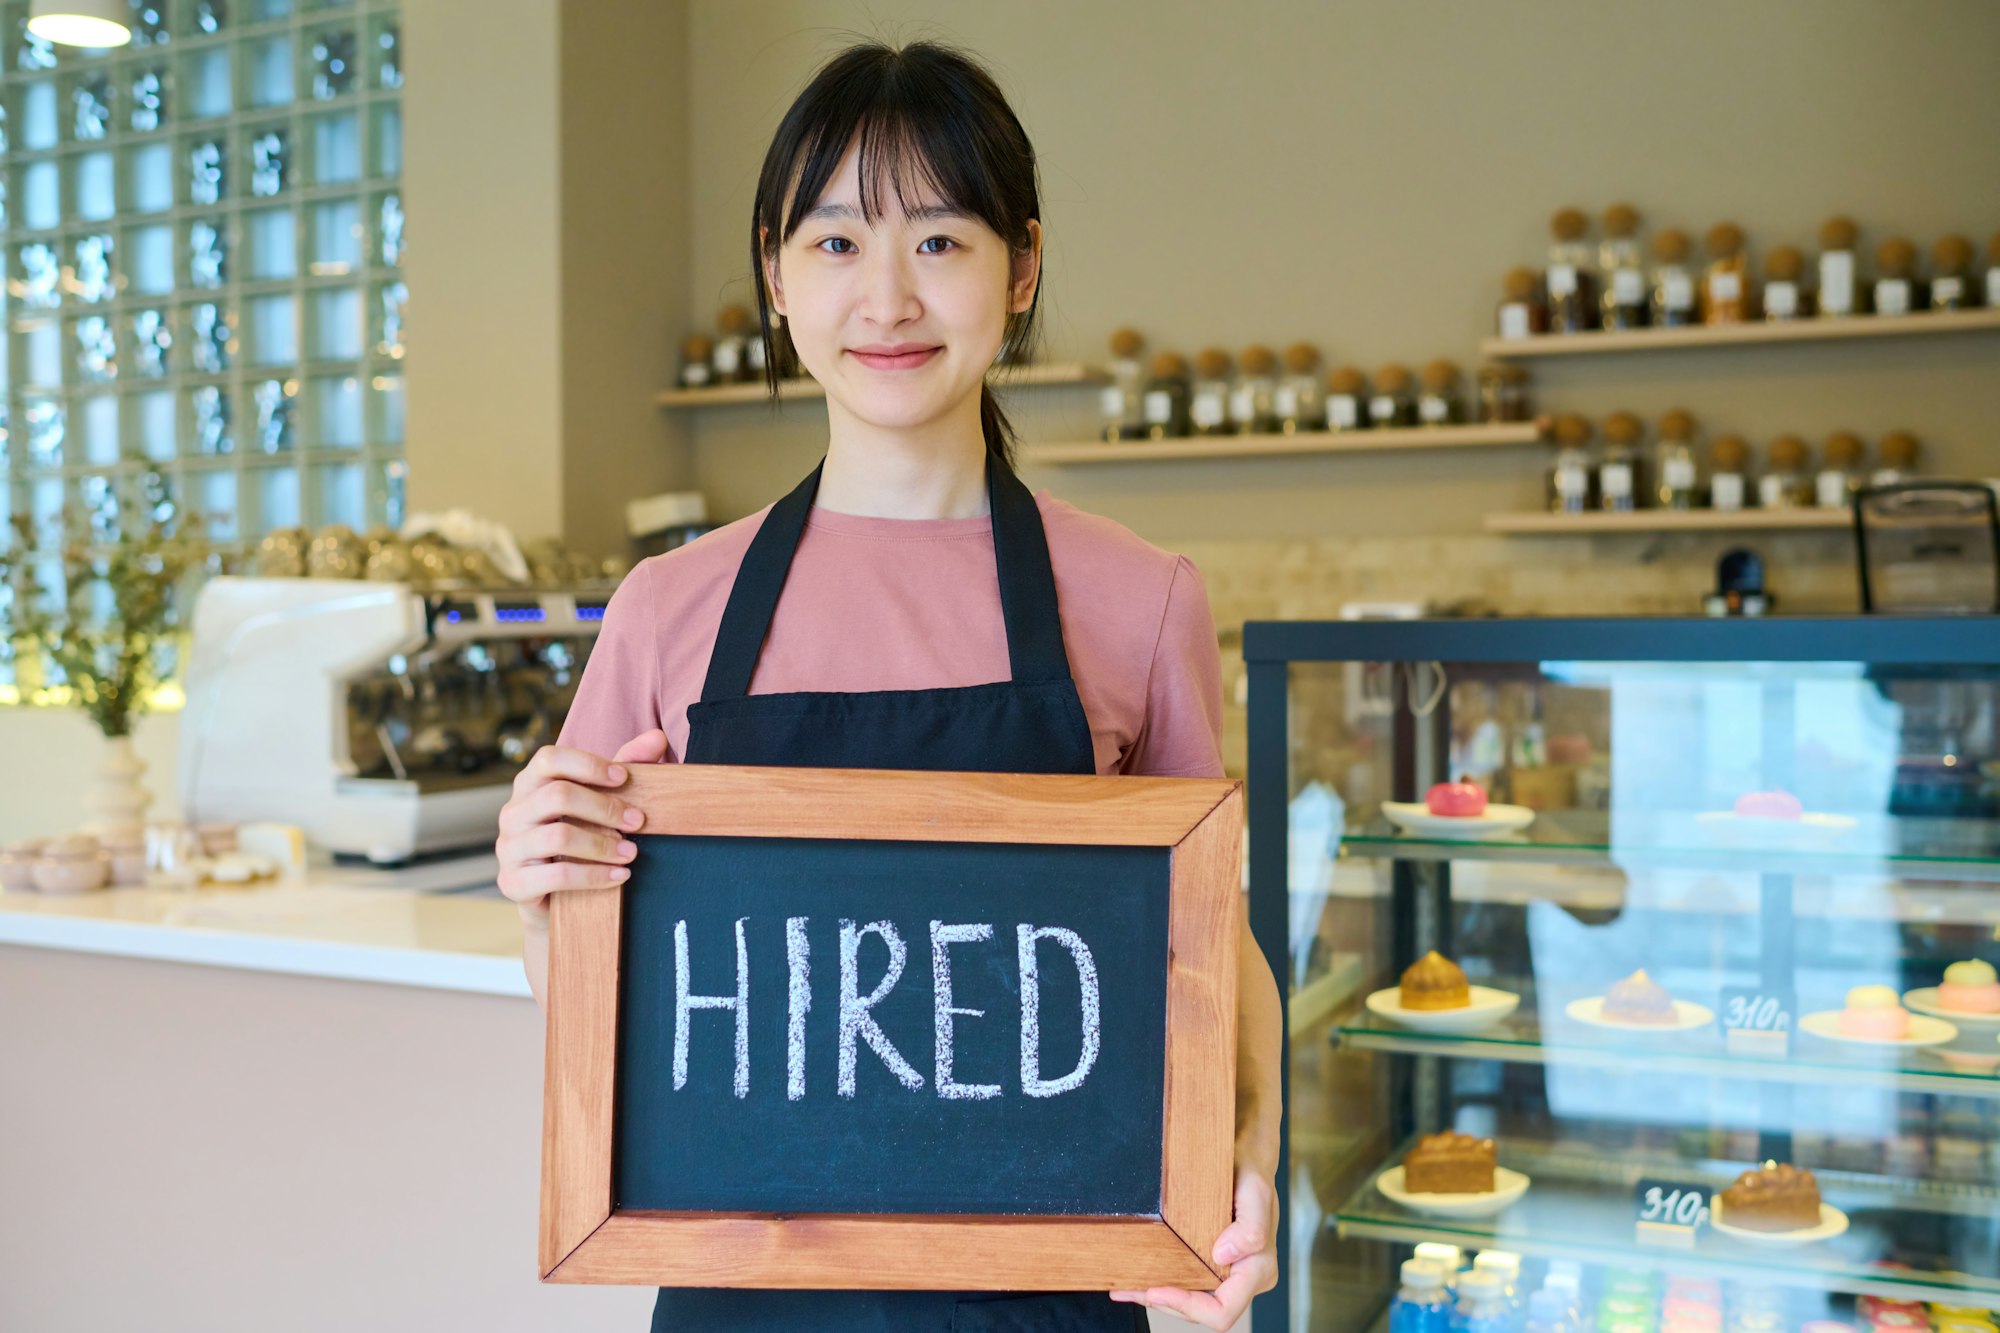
<point>1548,1312</point>
<point>1565,1287</point>
<point>1449,1259</point>
<point>1423,1305</point>
<point>1505,1265</point>
<point>1482,1304</point>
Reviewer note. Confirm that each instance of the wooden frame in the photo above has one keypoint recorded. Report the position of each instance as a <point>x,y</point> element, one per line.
<point>584,1239</point>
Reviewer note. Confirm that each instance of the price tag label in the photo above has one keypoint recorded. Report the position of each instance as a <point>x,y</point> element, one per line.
<point>1669,1213</point>
<point>1757,1021</point>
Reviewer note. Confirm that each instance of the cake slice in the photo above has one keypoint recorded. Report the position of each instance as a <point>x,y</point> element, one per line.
<point>1776,1196</point>
<point>1449,1163</point>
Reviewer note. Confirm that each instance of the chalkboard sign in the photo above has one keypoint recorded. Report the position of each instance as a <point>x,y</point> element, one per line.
<point>850,1028</point>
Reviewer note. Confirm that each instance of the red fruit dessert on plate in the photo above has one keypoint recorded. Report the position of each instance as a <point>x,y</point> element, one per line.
<point>1873,1013</point>
<point>1970,987</point>
<point>1769,805</point>
<point>1463,799</point>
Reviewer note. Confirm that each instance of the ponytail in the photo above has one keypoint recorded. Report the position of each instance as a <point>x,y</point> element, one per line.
<point>999,431</point>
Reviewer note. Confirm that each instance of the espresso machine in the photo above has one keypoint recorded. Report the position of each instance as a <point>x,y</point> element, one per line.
<point>386,720</point>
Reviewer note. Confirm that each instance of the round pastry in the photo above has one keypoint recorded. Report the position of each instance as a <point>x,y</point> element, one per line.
<point>1769,805</point>
<point>1970,987</point>
<point>1464,799</point>
<point>1873,1012</point>
<point>1435,982</point>
<point>1640,999</point>
<point>1776,1196</point>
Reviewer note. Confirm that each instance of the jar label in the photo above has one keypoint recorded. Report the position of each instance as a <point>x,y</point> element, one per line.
<point>1615,480</point>
<point>1242,403</point>
<point>1781,299</point>
<point>1726,490</point>
<point>1111,402</point>
<point>728,355</point>
<point>1562,280</point>
<point>1836,282</point>
<point>695,374</point>
<point>1678,473</point>
<point>1206,409</point>
<point>1433,409</point>
<point>1287,401</point>
<point>753,353</point>
<point>1628,286</point>
<point>1832,489</point>
<point>1343,412</point>
<point>1945,291</point>
<point>1725,287</point>
<point>1771,491</point>
<point>1159,407</point>
<point>1993,287</point>
<point>1382,407</point>
<point>1572,481</point>
<point>1892,297</point>
<point>1676,290</point>
<point>1514,319</point>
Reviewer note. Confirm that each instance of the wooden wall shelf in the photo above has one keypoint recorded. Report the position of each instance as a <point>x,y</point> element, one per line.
<point>1671,520</point>
<point>1270,446</point>
<point>1730,335</point>
<point>1006,378</point>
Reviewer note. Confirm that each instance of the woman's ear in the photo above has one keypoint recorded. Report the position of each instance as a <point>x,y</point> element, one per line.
<point>1027,272</point>
<point>774,289</point>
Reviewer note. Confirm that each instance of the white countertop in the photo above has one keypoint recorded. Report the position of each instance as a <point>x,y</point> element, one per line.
<point>439,924</point>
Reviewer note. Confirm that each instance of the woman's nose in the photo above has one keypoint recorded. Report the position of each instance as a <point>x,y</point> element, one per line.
<point>889,291</point>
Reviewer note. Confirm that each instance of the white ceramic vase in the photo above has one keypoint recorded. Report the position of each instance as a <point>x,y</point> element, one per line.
<point>116,798</point>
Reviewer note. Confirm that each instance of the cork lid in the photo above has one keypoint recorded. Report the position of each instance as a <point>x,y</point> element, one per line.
<point>1520,283</point>
<point>1257,359</point>
<point>1899,448</point>
<point>1392,378</point>
<point>1621,220</point>
<point>1842,449</point>
<point>1895,257</point>
<point>1670,246</point>
<point>1301,358</point>
<point>1571,429</point>
<point>1787,453</point>
<point>1347,380</point>
<point>1724,240</point>
<point>1623,428</point>
<point>1569,224</point>
<point>1169,366</point>
<point>696,347</point>
<point>1439,375</point>
<point>1838,233</point>
<point>1729,452</point>
<point>1126,343</point>
<point>733,320</point>
<point>1211,363</point>
<point>1677,424</point>
<point>1952,254</point>
<point>1993,248</point>
<point>1784,264</point>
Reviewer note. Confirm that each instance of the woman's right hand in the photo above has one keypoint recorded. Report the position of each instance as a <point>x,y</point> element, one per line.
<point>564,829</point>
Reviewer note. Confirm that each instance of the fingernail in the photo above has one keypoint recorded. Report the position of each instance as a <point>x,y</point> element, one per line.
<point>626,848</point>
<point>619,872</point>
<point>633,819</point>
<point>617,772</point>
<point>1226,1256</point>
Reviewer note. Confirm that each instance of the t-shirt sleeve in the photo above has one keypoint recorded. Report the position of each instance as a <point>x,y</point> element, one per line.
<point>618,697</point>
<point>1181,736</point>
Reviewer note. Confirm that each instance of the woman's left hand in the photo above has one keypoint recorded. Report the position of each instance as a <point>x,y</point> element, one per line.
<point>1248,1245</point>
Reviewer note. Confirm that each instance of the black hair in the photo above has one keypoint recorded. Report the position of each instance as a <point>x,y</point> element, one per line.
<point>922,115</point>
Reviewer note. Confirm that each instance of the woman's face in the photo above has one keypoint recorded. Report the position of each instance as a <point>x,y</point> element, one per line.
<point>899,321</point>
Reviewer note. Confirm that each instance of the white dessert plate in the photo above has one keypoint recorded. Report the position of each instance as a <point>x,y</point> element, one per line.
<point>1923,1000</point>
<point>1831,1223</point>
<point>1415,817</point>
<point>1508,1187</point>
<point>1924,1030</point>
<point>1763,831</point>
<point>1687,1016</point>
<point>1488,1007</point>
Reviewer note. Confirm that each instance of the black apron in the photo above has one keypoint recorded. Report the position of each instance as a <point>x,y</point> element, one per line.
<point>1033,723</point>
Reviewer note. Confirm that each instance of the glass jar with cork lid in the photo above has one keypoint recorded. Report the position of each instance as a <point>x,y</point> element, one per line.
<point>1620,479</point>
<point>1784,484</point>
<point>1839,283</point>
<point>1121,410</point>
<point>1993,271</point>
<point>1165,402</point>
<point>1673,461</point>
<point>1391,407</point>
<point>1898,452</point>
<point>1568,490</point>
<point>1725,289</point>
<point>1673,281</point>
<point>1784,297</point>
<point>1503,394</point>
<point>1839,470</point>
<point>1625,304</point>
<point>731,358</point>
<point>1521,313</point>
<point>1728,473</point>
<point>1897,291</point>
<point>1437,395</point>
<point>1208,402</point>
<point>1252,402</point>
<point>696,349</point>
<point>1298,402</point>
<point>1570,281</point>
<point>1346,400</point>
<point>1951,274</point>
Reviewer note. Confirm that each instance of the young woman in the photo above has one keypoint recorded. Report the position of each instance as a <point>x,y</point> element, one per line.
<point>899,609</point>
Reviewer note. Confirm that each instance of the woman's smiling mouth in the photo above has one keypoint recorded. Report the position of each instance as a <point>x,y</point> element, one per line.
<point>894,356</point>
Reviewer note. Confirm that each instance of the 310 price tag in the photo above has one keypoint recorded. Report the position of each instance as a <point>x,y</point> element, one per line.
<point>1669,1213</point>
<point>1757,1021</point>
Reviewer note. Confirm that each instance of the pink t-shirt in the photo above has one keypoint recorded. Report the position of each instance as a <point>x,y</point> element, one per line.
<point>897,604</point>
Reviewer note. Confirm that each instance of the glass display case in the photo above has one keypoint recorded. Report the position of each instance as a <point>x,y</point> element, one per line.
<point>1654,957</point>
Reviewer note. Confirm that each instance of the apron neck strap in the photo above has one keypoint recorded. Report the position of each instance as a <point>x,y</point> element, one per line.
<point>1020,553</point>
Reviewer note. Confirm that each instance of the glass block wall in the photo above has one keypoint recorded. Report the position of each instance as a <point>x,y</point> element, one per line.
<point>203,261</point>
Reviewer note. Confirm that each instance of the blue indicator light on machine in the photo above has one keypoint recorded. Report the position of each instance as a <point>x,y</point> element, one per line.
<point>584,612</point>
<point>519,613</point>
<point>451,617</point>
